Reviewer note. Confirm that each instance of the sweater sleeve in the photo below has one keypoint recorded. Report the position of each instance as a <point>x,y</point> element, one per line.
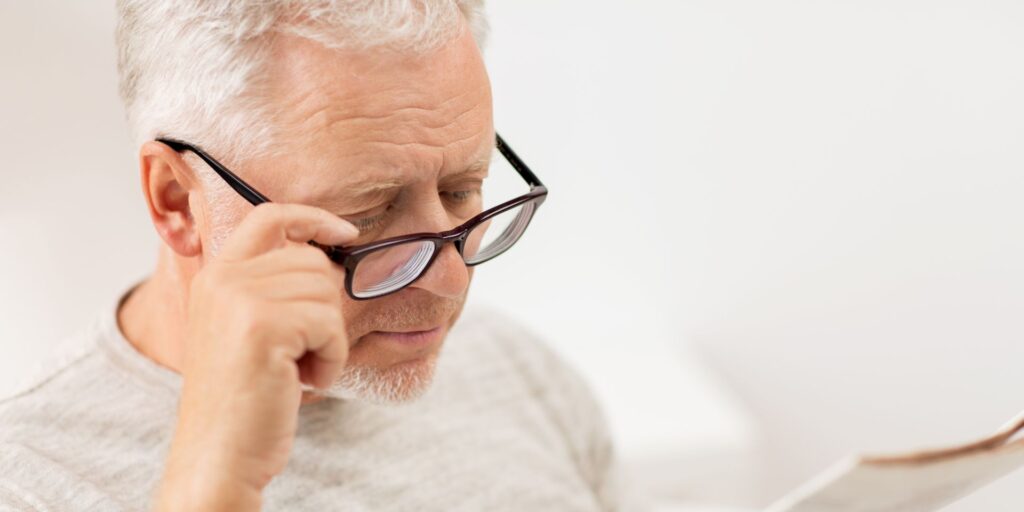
<point>11,500</point>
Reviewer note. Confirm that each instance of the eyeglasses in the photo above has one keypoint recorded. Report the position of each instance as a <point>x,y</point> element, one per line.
<point>386,266</point>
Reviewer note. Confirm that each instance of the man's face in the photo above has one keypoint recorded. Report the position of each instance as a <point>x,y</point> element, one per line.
<point>393,143</point>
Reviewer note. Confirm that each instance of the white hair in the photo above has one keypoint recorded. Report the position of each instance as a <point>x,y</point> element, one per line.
<point>192,69</point>
<point>384,386</point>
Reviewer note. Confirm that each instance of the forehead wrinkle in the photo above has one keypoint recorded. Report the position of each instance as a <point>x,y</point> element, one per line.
<point>361,122</point>
<point>433,144</point>
<point>318,105</point>
<point>325,87</point>
<point>342,116</point>
<point>389,111</point>
<point>404,177</point>
<point>403,126</point>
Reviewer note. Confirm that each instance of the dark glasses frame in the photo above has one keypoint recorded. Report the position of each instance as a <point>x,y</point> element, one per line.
<point>349,257</point>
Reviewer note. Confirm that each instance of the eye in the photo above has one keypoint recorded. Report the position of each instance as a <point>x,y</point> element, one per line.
<point>461,195</point>
<point>367,224</point>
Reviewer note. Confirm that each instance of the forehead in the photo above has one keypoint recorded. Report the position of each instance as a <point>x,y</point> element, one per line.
<point>351,118</point>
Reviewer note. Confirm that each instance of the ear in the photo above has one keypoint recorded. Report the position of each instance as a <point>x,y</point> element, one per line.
<point>167,182</point>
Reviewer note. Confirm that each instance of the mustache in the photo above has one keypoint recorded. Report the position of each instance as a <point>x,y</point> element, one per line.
<point>407,314</point>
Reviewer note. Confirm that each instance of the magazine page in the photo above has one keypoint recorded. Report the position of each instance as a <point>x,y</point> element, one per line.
<point>913,482</point>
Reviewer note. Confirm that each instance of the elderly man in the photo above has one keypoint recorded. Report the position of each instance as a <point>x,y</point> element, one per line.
<point>369,125</point>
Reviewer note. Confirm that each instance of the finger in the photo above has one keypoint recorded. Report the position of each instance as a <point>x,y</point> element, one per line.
<point>300,286</point>
<point>311,398</point>
<point>296,258</point>
<point>324,364</point>
<point>272,225</point>
<point>321,371</point>
<point>308,325</point>
<point>326,350</point>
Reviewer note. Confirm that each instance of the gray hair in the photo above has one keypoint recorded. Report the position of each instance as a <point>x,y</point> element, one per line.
<point>192,68</point>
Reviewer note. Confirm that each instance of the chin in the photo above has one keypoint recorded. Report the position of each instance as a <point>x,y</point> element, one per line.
<point>396,384</point>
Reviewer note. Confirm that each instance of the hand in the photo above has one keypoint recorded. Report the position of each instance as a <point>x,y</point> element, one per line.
<point>263,317</point>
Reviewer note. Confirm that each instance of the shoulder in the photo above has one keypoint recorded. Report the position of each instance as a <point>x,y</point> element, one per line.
<point>51,383</point>
<point>67,359</point>
<point>78,387</point>
<point>31,479</point>
<point>34,416</point>
<point>86,382</point>
<point>69,432</point>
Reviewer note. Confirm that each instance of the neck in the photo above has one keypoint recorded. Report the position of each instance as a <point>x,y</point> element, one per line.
<point>153,316</point>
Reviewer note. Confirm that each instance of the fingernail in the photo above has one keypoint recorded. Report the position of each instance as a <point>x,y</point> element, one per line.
<point>347,230</point>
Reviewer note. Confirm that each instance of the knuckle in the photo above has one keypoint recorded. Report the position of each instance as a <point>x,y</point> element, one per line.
<point>333,315</point>
<point>250,314</point>
<point>319,290</point>
<point>311,251</point>
<point>267,213</point>
<point>258,332</point>
<point>333,291</point>
<point>330,326</point>
<point>305,330</point>
<point>312,257</point>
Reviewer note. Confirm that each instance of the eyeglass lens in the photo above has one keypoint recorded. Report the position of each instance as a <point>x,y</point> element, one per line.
<point>386,270</point>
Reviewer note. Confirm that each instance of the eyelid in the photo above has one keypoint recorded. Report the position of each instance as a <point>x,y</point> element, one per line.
<point>466,183</point>
<point>366,224</point>
<point>367,202</point>
<point>364,218</point>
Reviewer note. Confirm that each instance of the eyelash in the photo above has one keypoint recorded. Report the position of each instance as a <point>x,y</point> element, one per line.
<point>462,195</point>
<point>366,224</point>
<point>369,223</point>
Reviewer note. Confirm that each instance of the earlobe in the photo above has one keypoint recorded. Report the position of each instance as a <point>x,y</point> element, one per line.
<point>168,187</point>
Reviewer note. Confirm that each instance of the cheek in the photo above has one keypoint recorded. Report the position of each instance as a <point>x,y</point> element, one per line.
<point>203,219</point>
<point>216,220</point>
<point>352,311</point>
<point>456,315</point>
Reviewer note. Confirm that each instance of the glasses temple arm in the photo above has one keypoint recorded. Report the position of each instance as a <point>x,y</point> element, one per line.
<point>254,197</point>
<point>517,163</point>
<point>238,184</point>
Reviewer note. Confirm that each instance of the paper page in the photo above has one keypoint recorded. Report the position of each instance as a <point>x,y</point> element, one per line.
<point>917,482</point>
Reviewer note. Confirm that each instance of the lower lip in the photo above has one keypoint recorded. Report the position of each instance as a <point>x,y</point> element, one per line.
<point>415,339</point>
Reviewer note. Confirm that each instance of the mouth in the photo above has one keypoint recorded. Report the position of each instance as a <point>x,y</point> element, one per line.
<point>409,339</point>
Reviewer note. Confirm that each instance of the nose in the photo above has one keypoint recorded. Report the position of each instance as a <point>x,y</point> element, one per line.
<point>447,277</point>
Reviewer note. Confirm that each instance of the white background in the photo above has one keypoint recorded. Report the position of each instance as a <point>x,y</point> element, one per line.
<point>778,232</point>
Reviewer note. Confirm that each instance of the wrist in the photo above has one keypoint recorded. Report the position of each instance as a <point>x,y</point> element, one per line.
<point>202,492</point>
<point>208,483</point>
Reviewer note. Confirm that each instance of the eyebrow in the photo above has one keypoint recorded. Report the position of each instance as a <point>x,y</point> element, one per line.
<point>371,187</point>
<point>480,164</point>
<point>362,192</point>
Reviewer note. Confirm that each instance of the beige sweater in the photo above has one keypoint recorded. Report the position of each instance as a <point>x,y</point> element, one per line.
<point>506,426</point>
